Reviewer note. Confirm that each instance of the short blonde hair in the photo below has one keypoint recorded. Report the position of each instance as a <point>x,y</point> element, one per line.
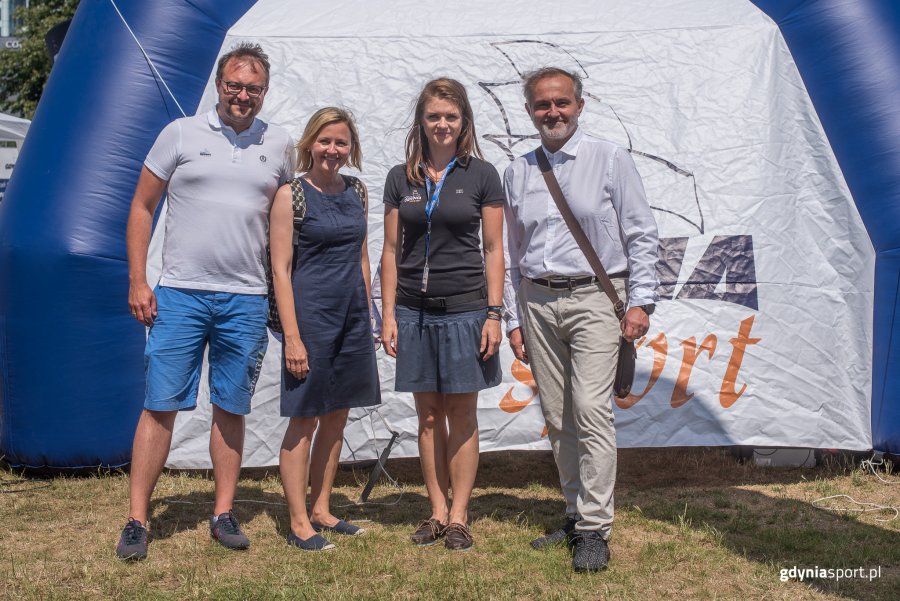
<point>321,119</point>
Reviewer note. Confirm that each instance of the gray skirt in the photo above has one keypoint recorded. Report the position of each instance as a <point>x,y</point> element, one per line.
<point>440,352</point>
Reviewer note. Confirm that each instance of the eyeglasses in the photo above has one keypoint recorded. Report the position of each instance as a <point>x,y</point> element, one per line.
<point>234,88</point>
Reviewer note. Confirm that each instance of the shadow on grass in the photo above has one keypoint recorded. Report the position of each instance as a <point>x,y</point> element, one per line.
<point>771,529</point>
<point>698,496</point>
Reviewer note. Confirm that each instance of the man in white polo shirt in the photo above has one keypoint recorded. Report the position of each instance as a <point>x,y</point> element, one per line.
<point>569,331</point>
<point>221,170</point>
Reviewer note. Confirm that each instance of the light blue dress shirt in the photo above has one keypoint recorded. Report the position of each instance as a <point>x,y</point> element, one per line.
<point>604,190</point>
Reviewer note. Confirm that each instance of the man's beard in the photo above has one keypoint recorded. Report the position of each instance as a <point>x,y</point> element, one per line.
<point>559,132</point>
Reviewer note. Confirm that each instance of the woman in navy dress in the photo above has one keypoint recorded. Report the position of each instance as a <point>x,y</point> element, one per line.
<point>322,293</point>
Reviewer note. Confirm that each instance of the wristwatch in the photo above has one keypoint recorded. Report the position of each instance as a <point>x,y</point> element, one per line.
<point>648,309</point>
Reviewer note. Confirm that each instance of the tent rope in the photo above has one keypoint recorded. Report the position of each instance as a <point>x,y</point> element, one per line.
<point>147,57</point>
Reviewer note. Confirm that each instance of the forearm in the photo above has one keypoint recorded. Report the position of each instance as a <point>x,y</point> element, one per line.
<point>389,262</point>
<point>510,287</point>
<point>284,300</point>
<point>388,282</point>
<point>638,228</point>
<point>494,273</point>
<point>137,241</point>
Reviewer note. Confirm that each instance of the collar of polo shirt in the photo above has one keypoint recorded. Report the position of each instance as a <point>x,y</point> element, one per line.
<point>215,122</point>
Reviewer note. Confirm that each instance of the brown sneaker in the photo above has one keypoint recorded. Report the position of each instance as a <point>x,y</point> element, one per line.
<point>457,537</point>
<point>428,532</point>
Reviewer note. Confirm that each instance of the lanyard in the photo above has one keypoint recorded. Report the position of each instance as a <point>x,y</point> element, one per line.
<point>434,199</point>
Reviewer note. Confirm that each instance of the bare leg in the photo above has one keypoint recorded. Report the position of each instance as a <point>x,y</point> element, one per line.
<point>152,440</point>
<point>433,452</point>
<point>326,454</point>
<point>294,466</point>
<point>462,451</point>
<point>226,447</point>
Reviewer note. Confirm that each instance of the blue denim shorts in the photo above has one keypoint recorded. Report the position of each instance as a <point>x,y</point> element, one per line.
<point>441,352</point>
<point>234,326</point>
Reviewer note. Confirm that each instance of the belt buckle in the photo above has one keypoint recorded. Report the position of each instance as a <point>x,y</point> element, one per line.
<point>570,283</point>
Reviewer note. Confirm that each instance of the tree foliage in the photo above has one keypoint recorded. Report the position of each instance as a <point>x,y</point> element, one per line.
<point>24,72</point>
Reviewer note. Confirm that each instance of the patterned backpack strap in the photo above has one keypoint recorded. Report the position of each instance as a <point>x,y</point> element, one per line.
<point>299,204</point>
<point>359,187</point>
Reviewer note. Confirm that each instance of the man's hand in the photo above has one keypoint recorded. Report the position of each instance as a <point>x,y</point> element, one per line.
<point>142,302</point>
<point>517,344</point>
<point>635,324</point>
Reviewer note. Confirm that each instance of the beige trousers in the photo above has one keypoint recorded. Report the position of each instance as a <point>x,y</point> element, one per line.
<point>572,340</point>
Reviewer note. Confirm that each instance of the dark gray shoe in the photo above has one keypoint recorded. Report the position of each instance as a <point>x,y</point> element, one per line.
<point>591,551</point>
<point>557,537</point>
<point>316,542</point>
<point>133,542</point>
<point>227,531</point>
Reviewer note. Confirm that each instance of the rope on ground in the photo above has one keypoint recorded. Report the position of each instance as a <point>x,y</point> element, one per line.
<point>864,507</point>
<point>869,465</point>
<point>874,462</point>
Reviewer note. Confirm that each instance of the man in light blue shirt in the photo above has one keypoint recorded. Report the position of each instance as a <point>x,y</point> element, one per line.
<point>558,317</point>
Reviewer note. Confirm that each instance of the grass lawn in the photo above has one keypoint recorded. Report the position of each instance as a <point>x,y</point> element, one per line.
<point>690,524</point>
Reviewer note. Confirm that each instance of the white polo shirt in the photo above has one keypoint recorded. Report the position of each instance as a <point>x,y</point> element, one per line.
<point>220,191</point>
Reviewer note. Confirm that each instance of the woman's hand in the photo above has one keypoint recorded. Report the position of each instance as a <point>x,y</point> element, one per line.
<point>389,335</point>
<point>490,338</point>
<point>295,358</point>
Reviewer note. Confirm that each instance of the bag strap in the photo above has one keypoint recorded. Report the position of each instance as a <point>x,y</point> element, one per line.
<point>359,187</point>
<point>298,202</point>
<point>577,232</point>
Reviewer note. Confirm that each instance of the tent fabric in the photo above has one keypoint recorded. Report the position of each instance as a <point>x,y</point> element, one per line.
<point>852,72</point>
<point>761,240</point>
<point>13,128</point>
<point>770,279</point>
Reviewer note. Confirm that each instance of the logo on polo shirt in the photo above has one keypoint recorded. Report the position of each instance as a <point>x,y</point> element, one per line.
<point>413,198</point>
<point>262,158</point>
<point>459,191</point>
<point>205,153</point>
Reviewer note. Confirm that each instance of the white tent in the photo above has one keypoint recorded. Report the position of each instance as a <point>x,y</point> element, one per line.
<point>12,134</point>
<point>13,128</point>
<point>764,335</point>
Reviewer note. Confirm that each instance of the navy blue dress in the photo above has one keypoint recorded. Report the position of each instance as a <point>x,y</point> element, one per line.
<point>332,310</point>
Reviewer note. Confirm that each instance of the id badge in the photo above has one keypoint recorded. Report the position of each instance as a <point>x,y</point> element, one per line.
<point>425,278</point>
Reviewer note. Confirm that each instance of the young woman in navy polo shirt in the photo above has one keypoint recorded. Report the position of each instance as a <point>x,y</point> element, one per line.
<point>442,286</point>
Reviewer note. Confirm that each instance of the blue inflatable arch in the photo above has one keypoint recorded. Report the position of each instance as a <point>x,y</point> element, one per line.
<point>71,371</point>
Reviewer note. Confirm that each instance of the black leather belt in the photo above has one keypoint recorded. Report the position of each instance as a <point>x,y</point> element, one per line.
<point>440,302</point>
<point>560,283</point>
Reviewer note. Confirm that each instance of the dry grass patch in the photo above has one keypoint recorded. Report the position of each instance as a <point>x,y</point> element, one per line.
<point>691,524</point>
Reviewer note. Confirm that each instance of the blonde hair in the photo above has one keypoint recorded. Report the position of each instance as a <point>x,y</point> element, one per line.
<point>416,142</point>
<point>321,119</point>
